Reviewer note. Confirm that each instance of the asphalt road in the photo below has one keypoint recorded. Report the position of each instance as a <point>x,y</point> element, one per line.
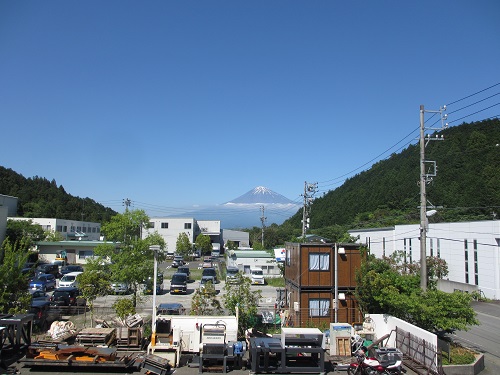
<point>484,338</point>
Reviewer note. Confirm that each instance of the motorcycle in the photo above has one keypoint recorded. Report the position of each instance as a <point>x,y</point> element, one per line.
<point>387,364</point>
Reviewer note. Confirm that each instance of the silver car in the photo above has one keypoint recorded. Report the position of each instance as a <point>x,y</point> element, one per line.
<point>120,288</point>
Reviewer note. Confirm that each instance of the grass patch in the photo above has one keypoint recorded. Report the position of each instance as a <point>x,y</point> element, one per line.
<point>459,356</point>
<point>276,281</point>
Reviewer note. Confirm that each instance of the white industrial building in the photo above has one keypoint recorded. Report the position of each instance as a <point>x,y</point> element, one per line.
<point>8,207</point>
<point>471,250</point>
<point>171,227</point>
<point>76,252</point>
<point>69,229</point>
<point>239,238</point>
<point>246,259</point>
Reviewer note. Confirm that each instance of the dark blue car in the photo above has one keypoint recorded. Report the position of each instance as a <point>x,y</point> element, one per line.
<point>43,282</point>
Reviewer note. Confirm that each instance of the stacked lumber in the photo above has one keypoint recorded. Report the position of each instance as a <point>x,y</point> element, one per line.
<point>96,336</point>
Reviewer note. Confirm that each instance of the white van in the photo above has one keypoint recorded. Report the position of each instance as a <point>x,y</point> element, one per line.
<point>69,279</point>
<point>257,275</point>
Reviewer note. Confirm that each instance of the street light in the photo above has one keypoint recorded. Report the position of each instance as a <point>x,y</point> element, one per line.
<point>154,249</point>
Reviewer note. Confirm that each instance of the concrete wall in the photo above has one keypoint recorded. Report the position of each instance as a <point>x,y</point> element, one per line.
<point>384,324</point>
<point>449,286</point>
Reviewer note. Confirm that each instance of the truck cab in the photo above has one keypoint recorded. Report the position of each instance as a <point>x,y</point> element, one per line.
<point>257,276</point>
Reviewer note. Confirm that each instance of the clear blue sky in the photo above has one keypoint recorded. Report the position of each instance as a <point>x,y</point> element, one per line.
<point>186,103</point>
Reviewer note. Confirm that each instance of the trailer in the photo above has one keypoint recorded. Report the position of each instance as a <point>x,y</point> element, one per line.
<point>178,334</point>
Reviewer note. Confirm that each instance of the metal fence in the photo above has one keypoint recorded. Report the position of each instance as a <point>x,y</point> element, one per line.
<point>422,353</point>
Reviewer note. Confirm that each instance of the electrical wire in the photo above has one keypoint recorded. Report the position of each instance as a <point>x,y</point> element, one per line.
<point>471,95</point>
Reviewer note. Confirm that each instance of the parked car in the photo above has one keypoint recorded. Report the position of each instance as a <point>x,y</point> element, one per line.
<point>210,272</point>
<point>71,268</point>
<point>170,309</point>
<point>43,282</point>
<point>148,284</point>
<point>207,283</point>
<point>184,269</point>
<point>29,272</point>
<point>178,261</point>
<point>68,296</point>
<point>48,268</point>
<point>69,279</point>
<point>43,316</point>
<point>178,284</point>
<point>207,262</point>
<point>120,288</point>
<point>232,275</point>
<point>38,295</point>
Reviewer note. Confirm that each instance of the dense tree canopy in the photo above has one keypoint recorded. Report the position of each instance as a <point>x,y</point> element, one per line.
<point>14,296</point>
<point>39,197</point>
<point>133,261</point>
<point>467,184</point>
<point>240,297</point>
<point>387,286</point>
<point>204,244</point>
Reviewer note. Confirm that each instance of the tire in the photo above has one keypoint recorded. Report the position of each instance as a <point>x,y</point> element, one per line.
<point>353,371</point>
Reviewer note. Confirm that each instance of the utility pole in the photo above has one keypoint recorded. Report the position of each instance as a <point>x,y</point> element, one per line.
<point>424,179</point>
<point>263,221</point>
<point>309,190</point>
<point>127,202</point>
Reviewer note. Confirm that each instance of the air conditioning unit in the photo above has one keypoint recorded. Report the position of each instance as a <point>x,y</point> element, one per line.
<point>296,306</point>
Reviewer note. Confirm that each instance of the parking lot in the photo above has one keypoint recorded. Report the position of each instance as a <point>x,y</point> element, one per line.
<point>196,267</point>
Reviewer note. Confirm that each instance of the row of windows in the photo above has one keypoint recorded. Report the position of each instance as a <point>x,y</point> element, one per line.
<point>73,229</point>
<point>164,225</point>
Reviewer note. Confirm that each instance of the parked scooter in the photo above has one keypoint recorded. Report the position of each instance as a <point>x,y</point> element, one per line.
<point>373,366</point>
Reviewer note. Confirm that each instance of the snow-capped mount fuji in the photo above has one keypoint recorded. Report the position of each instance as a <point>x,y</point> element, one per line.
<point>245,211</point>
<point>260,195</point>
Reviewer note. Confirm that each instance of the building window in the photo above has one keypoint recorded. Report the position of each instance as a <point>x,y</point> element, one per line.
<point>319,306</point>
<point>319,262</point>
<point>438,244</point>
<point>84,254</point>
<point>65,228</point>
<point>94,229</point>
<point>72,229</point>
<point>466,255</point>
<point>59,228</point>
<point>151,224</point>
<point>383,246</point>
<point>187,225</point>
<point>476,266</point>
<point>164,225</point>
<point>432,247</point>
<point>78,229</point>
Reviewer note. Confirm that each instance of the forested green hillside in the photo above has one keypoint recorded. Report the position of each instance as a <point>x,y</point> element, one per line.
<point>39,197</point>
<point>467,184</point>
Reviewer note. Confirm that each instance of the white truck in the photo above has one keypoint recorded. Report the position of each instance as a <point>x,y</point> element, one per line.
<point>215,250</point>
<point>257,275</point>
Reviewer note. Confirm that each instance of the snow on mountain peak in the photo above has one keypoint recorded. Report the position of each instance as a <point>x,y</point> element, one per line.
<point>261,195</point>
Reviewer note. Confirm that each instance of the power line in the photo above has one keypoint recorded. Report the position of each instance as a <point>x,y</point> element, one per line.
<point>471,95</point>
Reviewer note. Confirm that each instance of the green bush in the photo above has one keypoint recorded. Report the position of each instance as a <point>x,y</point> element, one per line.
<point>275,281</point>
<point>460,356</point>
